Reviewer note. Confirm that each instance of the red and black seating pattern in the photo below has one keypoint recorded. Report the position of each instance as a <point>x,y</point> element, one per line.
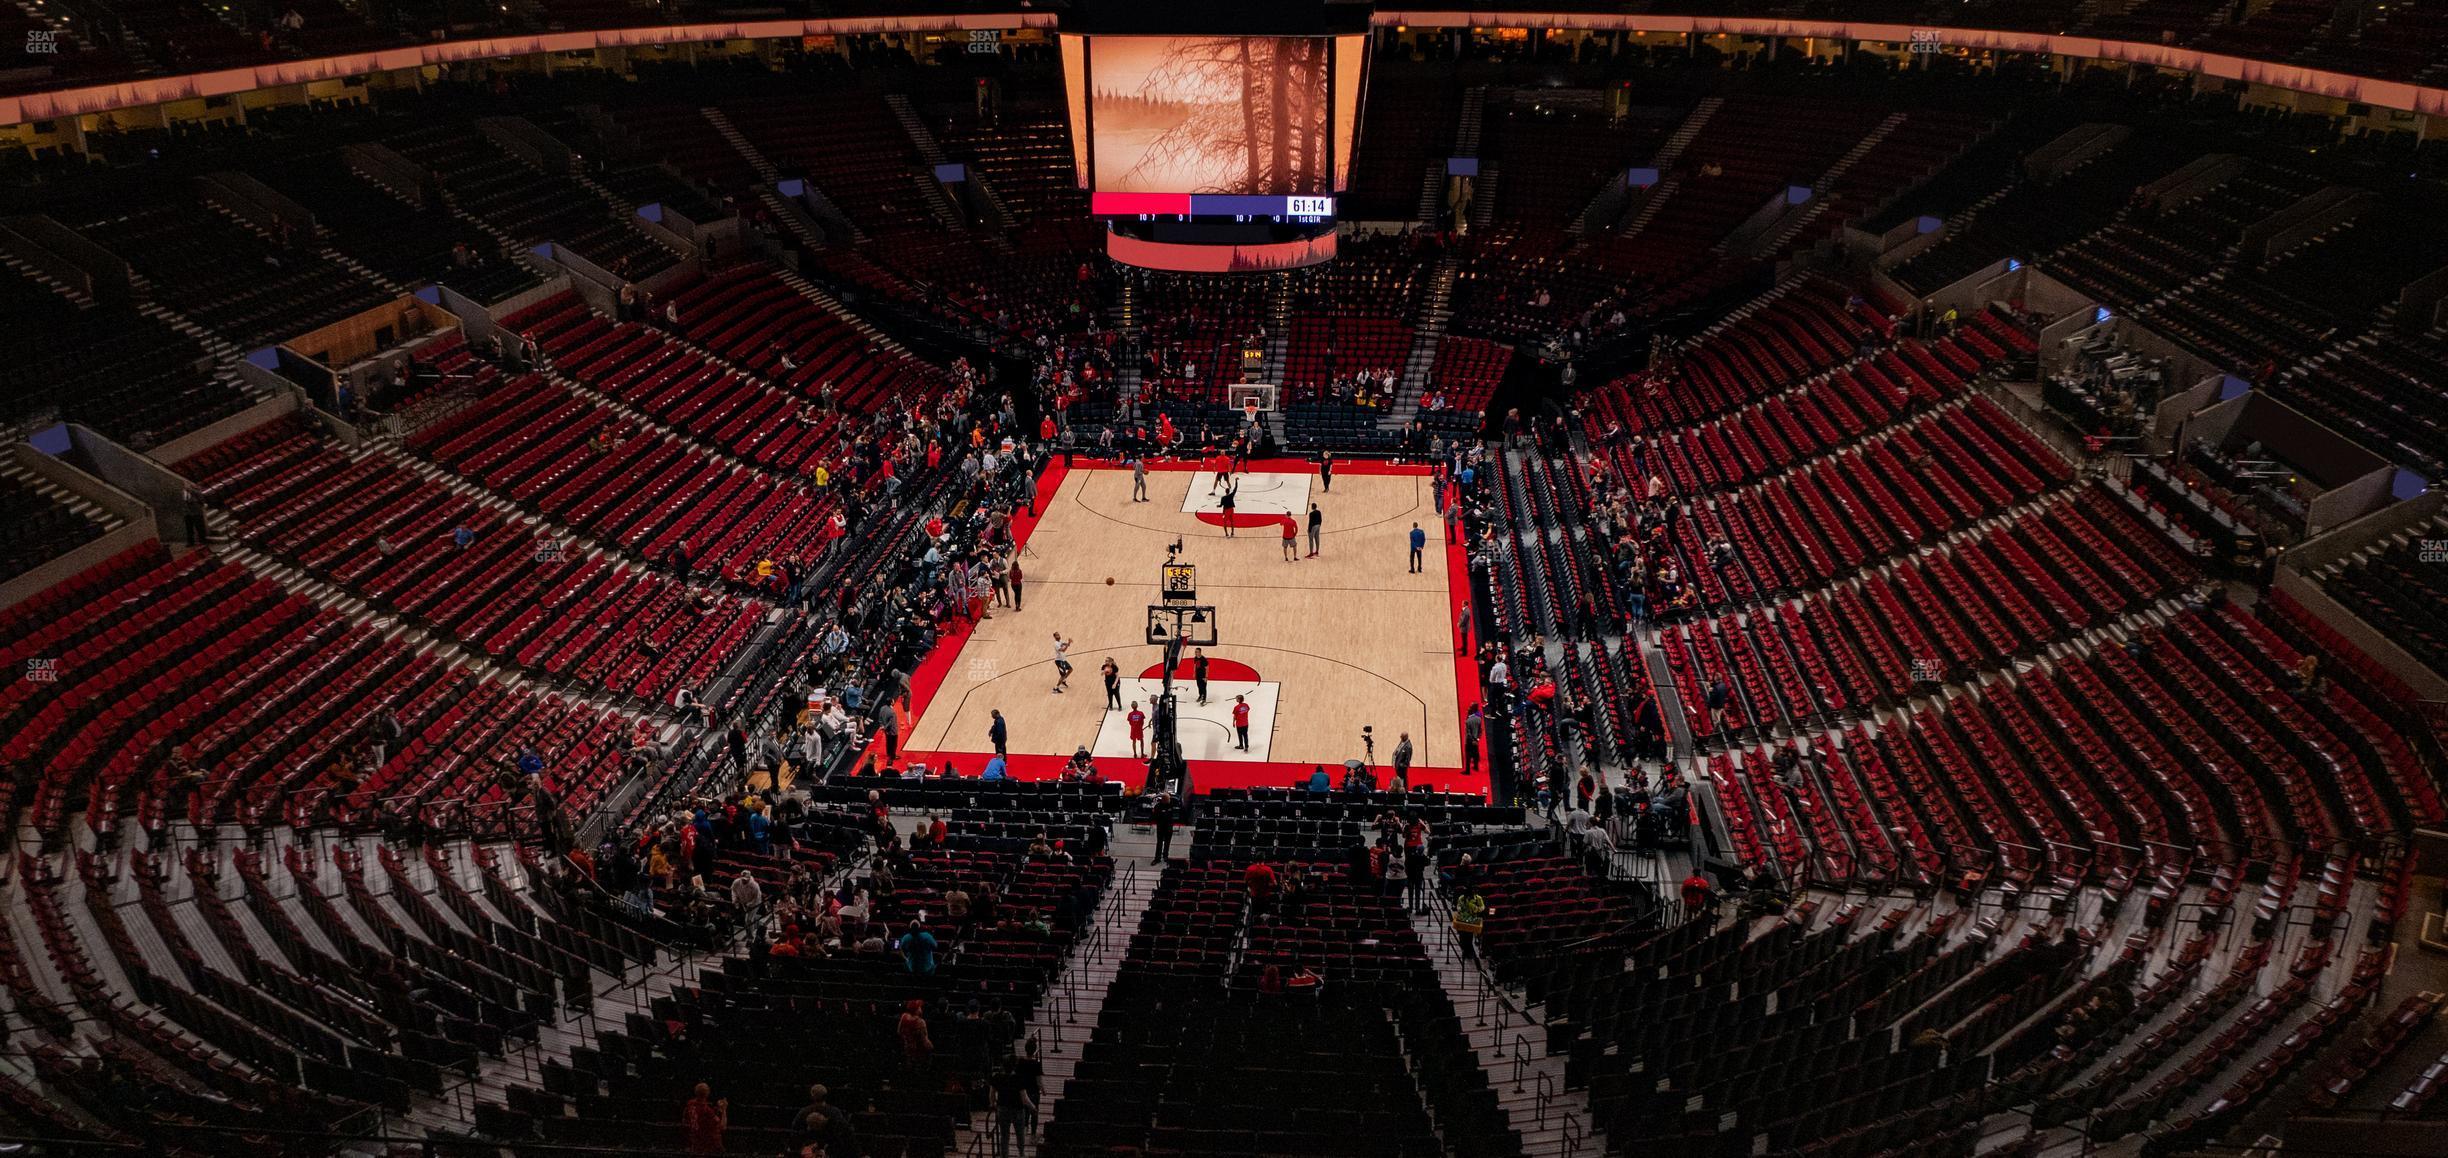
<point>2091,770</point>
<point>649,493</point>
<point>270,697</point>
<point>676,383</point>
<point>515,593</point>
<point>754,319</point>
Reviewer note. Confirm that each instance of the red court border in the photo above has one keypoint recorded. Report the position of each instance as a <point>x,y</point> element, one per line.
<point>1205,775</point>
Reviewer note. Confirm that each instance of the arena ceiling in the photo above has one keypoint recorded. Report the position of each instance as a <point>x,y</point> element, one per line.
<point>922,18</point>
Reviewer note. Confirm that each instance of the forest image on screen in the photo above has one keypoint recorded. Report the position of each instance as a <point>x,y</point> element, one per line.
<point>1210,114</point>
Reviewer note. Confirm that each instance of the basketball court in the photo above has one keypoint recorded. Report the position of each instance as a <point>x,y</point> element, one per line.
<point>1316,647</point>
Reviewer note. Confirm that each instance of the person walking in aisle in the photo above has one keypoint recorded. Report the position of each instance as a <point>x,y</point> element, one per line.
<point>1014,1083</point>
<point>1419,544</point>
<point>1113,684</point>
<point>1198,672</point>
<point>1163,813</point>
<point>1240,718</point>
<point>981,587</point>
<point>191,508</point>
<point>1474,726</point>
<point>1317,524</point>
<point>1062,664</point>
<point>1415,874</point>
<point>1469,920</point>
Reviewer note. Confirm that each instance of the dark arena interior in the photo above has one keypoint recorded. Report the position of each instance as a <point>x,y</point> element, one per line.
<point>1260,579</point>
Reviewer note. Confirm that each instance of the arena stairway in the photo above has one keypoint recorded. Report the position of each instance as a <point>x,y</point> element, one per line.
<point>1510,1041</point>
<point>1064,1020</point>
<point>556,1041</point>
<point>1279,333</point>
<point>1435,313</point>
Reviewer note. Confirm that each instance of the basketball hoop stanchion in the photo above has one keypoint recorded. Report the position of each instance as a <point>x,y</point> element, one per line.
<point>1179,621</point>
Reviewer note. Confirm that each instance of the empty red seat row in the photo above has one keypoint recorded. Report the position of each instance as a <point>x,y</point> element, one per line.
<point>271,698</point>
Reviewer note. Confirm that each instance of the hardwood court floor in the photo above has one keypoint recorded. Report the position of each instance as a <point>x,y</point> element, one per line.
<point>1348,638</point>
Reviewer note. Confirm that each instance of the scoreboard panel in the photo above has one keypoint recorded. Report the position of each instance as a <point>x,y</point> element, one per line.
<point>1215,205</point>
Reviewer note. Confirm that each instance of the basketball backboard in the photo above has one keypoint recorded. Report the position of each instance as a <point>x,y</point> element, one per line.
<point>1196,624</point>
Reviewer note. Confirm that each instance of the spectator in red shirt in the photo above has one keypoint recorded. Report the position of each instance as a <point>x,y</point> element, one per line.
<point>916,1044</point>
<point>703,1119</point>
<point>1259,882</point>
<point>1543,694</point>
<point>1698,895</point>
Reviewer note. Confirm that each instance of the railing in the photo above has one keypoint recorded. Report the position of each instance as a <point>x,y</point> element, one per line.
<point>1102,938</point>
<point>627,992</point>
<point>1485,994</point>
<point>1092,945</point>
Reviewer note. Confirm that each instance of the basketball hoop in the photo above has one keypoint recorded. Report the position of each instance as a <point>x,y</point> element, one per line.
<point>1253,398</point>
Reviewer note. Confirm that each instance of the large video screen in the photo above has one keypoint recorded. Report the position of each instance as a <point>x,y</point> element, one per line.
<point>1250,115</point>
